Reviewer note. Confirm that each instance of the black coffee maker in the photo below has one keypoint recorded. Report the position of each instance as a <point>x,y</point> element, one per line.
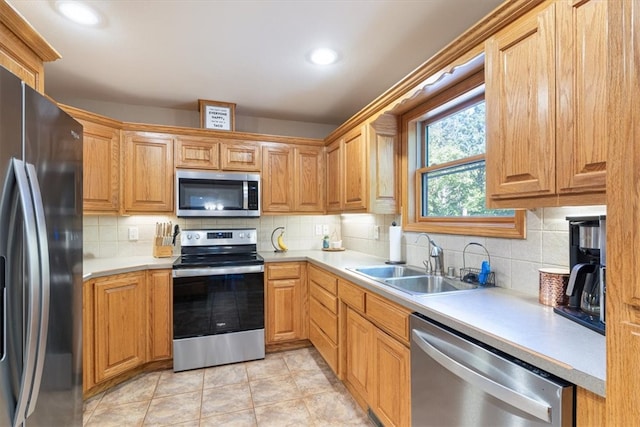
<point>587,259</point>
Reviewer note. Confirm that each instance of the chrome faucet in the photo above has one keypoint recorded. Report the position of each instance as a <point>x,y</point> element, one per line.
<point>437,253</point>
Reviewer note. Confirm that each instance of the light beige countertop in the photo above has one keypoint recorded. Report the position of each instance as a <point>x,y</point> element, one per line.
<point>509,321</point>
<point>98,267</point>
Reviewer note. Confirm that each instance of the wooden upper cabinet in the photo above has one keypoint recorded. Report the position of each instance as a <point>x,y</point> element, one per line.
<point>277,179</point>
<point>197,153</point>
<point>22,49</point>
<point>148,172</point>
<point>309,179</point>
<point>292,179</point>
<point>240,156</point>
<point>334,178</point>
<point>362,168</point>
<point>520,99</point>
<point>546,119</point>
<point>101,166</point>
<point>384,165</point>
<point>582,110</point>
<point>355,170</point>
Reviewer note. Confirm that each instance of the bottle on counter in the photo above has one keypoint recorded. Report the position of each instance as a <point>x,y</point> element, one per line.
<point>325,242</point>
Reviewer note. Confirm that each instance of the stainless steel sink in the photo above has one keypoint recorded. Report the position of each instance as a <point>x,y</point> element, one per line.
<point>389,271</point>
<point>428,284</point>
<point>412,280</point>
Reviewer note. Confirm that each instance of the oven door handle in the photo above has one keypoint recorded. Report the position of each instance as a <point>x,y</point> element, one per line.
<point>217,271</point>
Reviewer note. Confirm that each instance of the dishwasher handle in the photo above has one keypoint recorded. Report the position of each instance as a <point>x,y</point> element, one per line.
<point>497,390</point>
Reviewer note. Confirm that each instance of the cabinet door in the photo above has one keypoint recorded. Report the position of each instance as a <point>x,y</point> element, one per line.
<point>520,104</point>
<point>101,165</point>
<point>355,169</point>
<point>581,145</point>
<point>391,390</point>
<point>120,324</point>
<point>284,311</point>
<point>160,303</point>
<point>197,153</point>
<point>309,179</point>
<point>359,341</point>
<point>277,179</point>
<point>240,156</point>
<point>334,177</point>
<point>148,178</point>
<point>383,162</point>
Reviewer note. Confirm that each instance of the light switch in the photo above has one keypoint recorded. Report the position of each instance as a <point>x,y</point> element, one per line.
<point>318,230</point>
<point>376,232</point>
<point>325,229</point>
<point>133,233</point>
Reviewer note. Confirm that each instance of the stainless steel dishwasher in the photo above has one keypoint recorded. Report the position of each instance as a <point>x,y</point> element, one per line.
<point>458,381</point>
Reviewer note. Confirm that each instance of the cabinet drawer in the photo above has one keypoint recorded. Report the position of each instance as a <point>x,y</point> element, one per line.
<point>325,347</point>
<point>324,319</point>
<point>326,280</point>
<point>286,270</point>
<point>352,295</point>
<point>388,316</point>
<point>324,297</point>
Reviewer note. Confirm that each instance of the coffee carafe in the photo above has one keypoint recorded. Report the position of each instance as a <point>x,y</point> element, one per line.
<point>586,288</point>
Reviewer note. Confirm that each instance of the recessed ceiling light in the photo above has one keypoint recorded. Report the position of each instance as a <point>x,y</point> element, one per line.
<point>78,12</point>
<point>323,56</point>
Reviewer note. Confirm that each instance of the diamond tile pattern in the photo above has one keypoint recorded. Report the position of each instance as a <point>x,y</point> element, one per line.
<point>292,388</point>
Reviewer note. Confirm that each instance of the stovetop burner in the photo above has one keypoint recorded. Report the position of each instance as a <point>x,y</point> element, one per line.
<point>218,248</point>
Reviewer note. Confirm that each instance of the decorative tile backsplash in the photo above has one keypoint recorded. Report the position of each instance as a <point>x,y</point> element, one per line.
<point>516,262</point>
<point>108,236</point>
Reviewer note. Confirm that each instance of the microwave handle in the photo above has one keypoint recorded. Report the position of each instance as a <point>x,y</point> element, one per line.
<point>245,194</point>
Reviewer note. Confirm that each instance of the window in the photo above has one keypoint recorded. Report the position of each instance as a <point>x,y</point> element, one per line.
<point>446,142</point>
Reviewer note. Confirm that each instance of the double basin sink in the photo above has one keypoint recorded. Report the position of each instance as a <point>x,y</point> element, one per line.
<point>412,280</point>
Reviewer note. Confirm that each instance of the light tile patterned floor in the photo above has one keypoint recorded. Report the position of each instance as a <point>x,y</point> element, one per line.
<point>292,388</point>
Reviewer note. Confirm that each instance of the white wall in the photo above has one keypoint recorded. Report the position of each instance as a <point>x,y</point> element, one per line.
<point>191,118</point>
<point>515,261</point>
<point>107,236</point>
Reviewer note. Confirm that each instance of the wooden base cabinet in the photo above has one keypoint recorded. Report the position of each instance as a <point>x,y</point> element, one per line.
<point>160,318</point>
<point>375,354</point>
<point>323,315</point>
<point>391,391</point>
<point>127,323</point>
<point>377,370</point>
<point>120,324</point>
<point>285,300</point>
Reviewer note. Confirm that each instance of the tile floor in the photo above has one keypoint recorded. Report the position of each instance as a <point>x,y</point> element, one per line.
<point>292,388</point>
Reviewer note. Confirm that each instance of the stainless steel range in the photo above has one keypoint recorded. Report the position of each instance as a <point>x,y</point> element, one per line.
<point>218,299</point>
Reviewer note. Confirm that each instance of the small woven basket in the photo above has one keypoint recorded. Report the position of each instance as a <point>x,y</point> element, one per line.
<point>553,286</point>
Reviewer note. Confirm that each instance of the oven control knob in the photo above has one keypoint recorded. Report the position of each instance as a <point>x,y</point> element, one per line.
<point>189,236</point>
<point>197,236</point>
<point>241,235</point>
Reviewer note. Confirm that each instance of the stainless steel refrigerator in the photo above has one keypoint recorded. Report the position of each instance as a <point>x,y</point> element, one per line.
<point>40,260</point>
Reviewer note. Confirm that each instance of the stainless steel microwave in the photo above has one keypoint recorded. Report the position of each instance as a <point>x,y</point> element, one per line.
<point>217,194</point>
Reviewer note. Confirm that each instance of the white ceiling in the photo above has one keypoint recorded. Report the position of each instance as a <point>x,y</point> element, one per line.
<point>170,53</point>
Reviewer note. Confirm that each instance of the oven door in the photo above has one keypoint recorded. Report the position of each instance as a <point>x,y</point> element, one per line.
<point>213,301</point>
<point>218,316</point>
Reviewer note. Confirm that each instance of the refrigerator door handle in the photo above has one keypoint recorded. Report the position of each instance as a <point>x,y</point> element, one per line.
<point>45,282</point>
<point>497,390</point>
<point>33,320</point>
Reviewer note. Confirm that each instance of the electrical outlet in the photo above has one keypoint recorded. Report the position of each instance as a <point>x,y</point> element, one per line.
<point>376,232</point>
<point>133,233</point>
<point>318,231</point>
<point>325,229</point>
